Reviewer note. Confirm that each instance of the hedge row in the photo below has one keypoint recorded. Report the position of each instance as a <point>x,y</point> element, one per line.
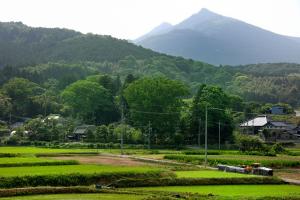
<point>84,189</point>
<point>3,155</point>
<point>44,163</point>
<point>76,179</point>
<point>195,181</point>
<point>66,154</point>
<point>224,161</point>
<point>202,152</point>
<point>46,190</point>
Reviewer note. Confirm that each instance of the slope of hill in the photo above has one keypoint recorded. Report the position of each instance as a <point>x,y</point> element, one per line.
<point>216,39</point>
<point>21,45</point>
<point>41,54</point>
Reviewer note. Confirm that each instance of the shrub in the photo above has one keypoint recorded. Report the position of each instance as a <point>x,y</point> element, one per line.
<point>249,143</point>
<point>76,179</point>
<point>45,163</point>
<point>202,152</point>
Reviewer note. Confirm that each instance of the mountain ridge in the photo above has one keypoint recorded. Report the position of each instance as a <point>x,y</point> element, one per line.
<point>239,42</point>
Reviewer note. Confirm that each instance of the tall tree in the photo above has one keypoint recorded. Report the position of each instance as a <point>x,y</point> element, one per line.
<point>90,102</point>
<point>22,92</point>
<point>218,104</point>
<point>158,101</point>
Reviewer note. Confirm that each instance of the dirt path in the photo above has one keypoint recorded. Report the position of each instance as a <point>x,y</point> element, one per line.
<point>101,159</point>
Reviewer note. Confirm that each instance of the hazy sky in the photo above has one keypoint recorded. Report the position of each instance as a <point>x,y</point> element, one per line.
<point>130,19</point>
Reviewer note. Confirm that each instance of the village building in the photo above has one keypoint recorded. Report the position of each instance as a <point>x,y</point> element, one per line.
<point>277,110</point>
<point>271,131</point>
<point>80,132</point>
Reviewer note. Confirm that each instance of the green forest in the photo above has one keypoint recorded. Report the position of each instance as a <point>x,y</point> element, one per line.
<point>92,79</point>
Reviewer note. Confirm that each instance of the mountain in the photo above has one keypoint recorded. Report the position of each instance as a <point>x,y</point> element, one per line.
<point>162,28</point>
<point>217,39</point>
<point>60,57</point>
<point>23,45</point>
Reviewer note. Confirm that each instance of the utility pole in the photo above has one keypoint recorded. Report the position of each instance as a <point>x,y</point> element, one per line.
<point>205,136</point>
<point>199,133</point>
<point>219,135</point>
<point>123,128</point>
<point>149,134</point>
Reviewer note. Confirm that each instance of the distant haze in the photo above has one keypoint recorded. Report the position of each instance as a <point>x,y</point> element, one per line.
<point>129,19</point>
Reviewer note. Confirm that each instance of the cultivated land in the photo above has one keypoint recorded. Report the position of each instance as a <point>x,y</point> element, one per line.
<point>235,190</point>
<point>36,150</point>
<point>71,169</point>
<point>78,197</point>
<point>210,174</point>
<point>104,166</point>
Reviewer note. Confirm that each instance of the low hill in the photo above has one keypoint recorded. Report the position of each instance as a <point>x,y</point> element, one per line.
<point>22,45</point>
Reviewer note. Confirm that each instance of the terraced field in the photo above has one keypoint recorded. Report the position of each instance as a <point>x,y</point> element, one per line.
<point>234,190</point>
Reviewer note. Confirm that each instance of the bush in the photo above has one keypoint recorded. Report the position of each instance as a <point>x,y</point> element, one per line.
<point>278,148</point>
<point>202,152</point>
<point>3,155</point>
<point>76,179</point>
<point>249,143</point>
<point>66,162</point>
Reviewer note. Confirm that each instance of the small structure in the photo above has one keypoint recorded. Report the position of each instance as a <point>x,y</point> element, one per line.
<point>277,110</point>
<point>54,118</point>
<point>80,132</point>
<point>254,125</point>
<point>271,131</point>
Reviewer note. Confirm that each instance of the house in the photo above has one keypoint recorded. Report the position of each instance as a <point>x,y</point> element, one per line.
<point>80,132</point>
<point>253,126</point>
<point>271,131</point>
<point>277,131</point>
<point>277,110</point>
<point>54,118</point>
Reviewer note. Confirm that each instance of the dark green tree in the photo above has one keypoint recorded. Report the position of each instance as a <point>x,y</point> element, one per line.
<point>157,100</point>
<point>22,92</point>
<point>218,106</point>
<point>90,102</point>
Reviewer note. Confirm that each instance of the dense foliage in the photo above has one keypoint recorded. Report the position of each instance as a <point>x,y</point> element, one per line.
<point>157,101</point>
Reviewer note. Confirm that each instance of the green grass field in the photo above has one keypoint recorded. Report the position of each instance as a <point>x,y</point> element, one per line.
<point>77,197</point>
<point>69,169</point>
<point>14,160</point>
<point>234,190</point>
<point>210,174</point>
<point>36,150</point>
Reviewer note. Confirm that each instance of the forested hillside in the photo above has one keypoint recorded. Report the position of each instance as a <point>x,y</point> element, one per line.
<point>23,45</point>
<point>63,56</point>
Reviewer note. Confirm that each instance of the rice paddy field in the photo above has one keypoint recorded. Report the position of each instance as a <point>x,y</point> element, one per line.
<point>210,174</point>
<point>20,166</point>
<point>37,150</point>
<point>70,169</point>
<point>78,197</point>
<point>234,190</point>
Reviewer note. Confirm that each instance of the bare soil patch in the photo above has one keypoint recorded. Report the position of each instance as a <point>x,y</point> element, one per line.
<point>292,173</point>
<point>105,160</point>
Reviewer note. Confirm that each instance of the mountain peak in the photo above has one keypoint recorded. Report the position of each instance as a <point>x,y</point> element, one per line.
<point>206,11</point>
<point>160,29</point>
<point>204,16</point>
